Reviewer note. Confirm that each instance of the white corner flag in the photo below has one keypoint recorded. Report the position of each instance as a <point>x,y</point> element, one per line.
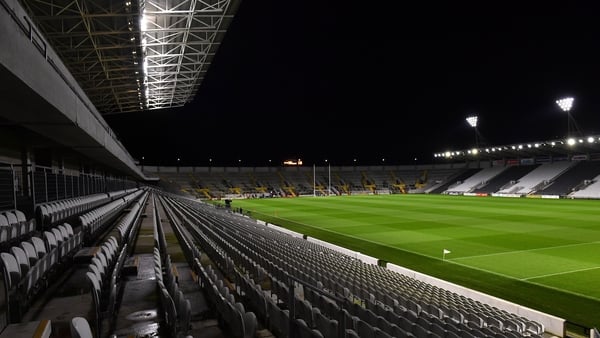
<point>446,251</point>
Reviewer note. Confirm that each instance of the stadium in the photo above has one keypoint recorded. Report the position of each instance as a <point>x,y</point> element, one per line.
<point>485,240</point>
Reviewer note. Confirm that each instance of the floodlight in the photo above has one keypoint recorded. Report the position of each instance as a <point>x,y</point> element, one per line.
<point>472,120</point>
<point>565,104</point>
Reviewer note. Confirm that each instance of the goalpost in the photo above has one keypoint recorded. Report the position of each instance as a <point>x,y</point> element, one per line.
<point>315,180</point>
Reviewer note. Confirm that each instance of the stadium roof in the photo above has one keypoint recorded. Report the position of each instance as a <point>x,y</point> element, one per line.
<point>587,146</point>
<point>135,55</point>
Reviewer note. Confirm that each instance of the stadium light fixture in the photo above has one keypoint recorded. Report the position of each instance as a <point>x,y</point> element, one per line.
<point>566,104</point>
<point>472,120</point>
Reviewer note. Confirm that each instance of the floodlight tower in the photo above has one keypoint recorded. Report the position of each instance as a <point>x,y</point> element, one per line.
<point>566,104</point>
<point>472,120</point>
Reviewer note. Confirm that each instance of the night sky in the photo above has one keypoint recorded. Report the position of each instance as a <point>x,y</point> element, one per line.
<point>347,81</point>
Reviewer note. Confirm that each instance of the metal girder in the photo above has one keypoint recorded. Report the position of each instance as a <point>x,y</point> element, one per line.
<point>135,54</point>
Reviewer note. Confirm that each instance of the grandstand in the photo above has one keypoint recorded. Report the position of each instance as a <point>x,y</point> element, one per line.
<point>92,244</point>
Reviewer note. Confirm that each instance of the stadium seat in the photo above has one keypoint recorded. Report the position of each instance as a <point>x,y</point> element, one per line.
<point>304,331</point>
<point>170,310</point>
<point>69,228</point>
<point>39,245</point>
<point>30,252</point>
<point>12,270</point>
<point>534,328</point>
<point>4,229</point>
<point>328,327</point>
<point>96,293</point>
<point>80,328</point>
<point>21,258</point>
<point>364,329</point>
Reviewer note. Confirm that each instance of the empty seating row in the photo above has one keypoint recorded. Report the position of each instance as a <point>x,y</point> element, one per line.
<point>14,225</point>
<point>124,228</point>
<point>190,250</point>
<point>96,220</point>
<point>177,309</point>
<point>112,195</point>
<point>104,279</point>
<point>104,270</point>
<point>29,266</point>
<point>50,213</point>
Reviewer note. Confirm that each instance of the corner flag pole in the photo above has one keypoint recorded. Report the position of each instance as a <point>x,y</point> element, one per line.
<point>444,252</point>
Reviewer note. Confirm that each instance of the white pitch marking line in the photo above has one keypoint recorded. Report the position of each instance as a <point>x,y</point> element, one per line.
<point>561,273</point>
<point>528,250</point>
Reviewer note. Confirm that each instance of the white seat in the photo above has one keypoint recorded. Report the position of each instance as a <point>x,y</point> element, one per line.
<point>39,246</point>
<point>11,217</point>
<point>3,220</point>
<point>12,270</point>
<point>22,220</point>
<point>52,248</point>
<point>52,213</point>
<point>66,243</point>
<point>80,328</point>
<point>95,270</point>
<point>32,254</point>
<point>22,259</point>
<point>114,242</point>
<point>58,236</point>
<point>96,292</point>
<point>69,229</point>
<point>109,253</point>
<point>4,231</point>
<point>20,216</point>
<point>13,223</point>
<point>63,231</point>
<point>44,214</point>
<point>102,257</point>
<point>98,263</point>
<point>50,240</point>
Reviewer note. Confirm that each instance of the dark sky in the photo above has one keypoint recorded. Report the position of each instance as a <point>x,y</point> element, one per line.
<point>341,81</point>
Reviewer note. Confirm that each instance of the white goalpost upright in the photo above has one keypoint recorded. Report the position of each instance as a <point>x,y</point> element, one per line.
<point>314,180</point>
<point>329,176</point>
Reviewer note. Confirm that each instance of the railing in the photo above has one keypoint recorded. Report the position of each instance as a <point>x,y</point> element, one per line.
<point>7,188</point>
<point>39,184</point>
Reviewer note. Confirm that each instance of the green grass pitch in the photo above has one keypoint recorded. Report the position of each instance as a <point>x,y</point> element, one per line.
<point>540,253</point>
